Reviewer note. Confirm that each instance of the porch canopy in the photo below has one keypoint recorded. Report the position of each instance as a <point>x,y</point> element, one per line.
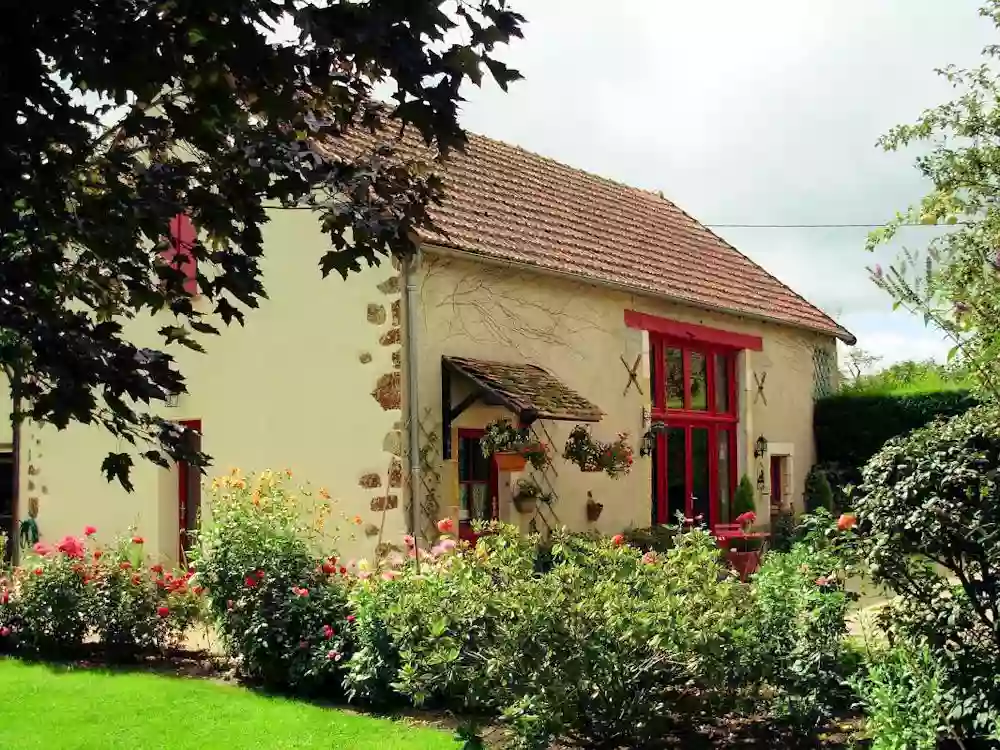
<point>528,391</point>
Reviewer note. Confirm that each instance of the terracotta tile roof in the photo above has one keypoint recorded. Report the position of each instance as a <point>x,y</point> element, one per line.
<point>506,203</point>
<point>526,390</point>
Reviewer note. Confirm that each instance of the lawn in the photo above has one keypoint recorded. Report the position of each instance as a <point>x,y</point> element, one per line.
<point>82,709</point>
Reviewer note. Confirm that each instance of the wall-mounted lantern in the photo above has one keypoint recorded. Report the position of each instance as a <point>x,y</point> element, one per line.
<point>760,448</point>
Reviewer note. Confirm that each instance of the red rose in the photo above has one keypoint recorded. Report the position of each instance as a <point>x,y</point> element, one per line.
<point>250,582</point>
<point>97,554</point>
<point>618,540</point>
<point>4,631</point>
<point>138,540</point>
<point>136,580</point>
<point>333,655</point>
<point>156,568</point>
<point>260,575</point>
<point>329,568</point>
<point>198,590</point>
<point>343,570</point>
<point>303,592</point>
<point>847,521</point>
<point>446,525</point>
<point>125,565</point>
<point>327,632</point>
<point>351,618</point>
<point>162,611</point>
<point>38,571</point>
<point>89,531</point>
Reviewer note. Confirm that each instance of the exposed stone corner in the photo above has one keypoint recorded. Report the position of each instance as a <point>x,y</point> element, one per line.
<point>370,481</point>
<point>388,391</point>
<point>392,337</point>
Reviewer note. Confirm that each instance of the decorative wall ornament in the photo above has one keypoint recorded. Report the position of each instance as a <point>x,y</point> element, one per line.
<point>760,380</point>
<point>633,374</point>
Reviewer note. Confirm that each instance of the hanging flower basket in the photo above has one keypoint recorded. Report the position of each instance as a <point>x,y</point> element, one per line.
<point>590,455</point>
<point>509,461</point>
<point>501,437</point>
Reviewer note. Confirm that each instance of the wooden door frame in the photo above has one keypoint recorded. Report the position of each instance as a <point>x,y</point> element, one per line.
<point>465,527</point>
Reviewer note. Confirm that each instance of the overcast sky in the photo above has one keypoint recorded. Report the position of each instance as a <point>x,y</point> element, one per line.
<point>762,112</point>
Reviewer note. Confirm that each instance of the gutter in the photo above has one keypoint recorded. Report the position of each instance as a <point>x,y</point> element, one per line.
<point>412,410</point>
<point>846,336</point>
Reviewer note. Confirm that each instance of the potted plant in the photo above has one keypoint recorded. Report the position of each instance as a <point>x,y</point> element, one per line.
<point>744,550</point>
<point>513,447</point>
<point>593,455</point>
<point>527,494</point>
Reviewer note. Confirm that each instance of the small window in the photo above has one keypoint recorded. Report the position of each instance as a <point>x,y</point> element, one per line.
<point>722,376</point>
<point>699,382</point>
<point>674,374</point>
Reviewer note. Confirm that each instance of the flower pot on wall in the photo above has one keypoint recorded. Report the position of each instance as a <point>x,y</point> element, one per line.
<point>525,505</point>
<point>510,461</point>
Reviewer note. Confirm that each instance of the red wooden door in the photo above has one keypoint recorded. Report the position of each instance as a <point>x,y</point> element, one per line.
<point>188,494</point>
<point>777,491</point>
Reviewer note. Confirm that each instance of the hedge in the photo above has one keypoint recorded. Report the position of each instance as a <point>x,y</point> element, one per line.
<point>850,429</point>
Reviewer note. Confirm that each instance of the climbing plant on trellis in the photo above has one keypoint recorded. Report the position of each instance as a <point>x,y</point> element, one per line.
<point>824,368</point>
<point>430,477</point>
<point>544,512</point>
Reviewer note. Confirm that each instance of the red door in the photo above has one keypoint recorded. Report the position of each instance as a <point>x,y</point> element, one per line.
<point>695,396</point>
<point>188,494</point>
<point>477,484</point>
<point>777,491</point>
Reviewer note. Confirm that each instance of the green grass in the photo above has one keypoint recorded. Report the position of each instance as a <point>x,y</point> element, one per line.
<point>50,707</point>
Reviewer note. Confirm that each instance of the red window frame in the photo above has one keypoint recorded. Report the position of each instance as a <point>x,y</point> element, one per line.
<point>715,422</point>
<point>183,236</point>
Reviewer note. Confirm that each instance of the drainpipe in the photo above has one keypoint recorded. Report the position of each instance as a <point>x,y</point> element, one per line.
<point>410,353</point>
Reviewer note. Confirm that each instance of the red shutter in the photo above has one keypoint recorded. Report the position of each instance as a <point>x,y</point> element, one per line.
<point>182,239</point>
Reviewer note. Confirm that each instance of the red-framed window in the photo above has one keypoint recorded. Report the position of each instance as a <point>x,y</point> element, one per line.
<point>179,254</point>
<point>477,483</point>
<point>695,396</point>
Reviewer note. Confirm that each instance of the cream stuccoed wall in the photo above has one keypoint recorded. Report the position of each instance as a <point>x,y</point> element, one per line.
<point>576,330</point>
<point>311,384</point>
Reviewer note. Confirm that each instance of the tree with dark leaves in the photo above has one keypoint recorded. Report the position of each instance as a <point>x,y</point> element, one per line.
<point>120,116</point>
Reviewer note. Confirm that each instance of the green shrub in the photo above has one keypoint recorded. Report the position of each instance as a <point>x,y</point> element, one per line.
<point>850,429</point>
<point>782,530</point>
<point>744,499</point>
<point>798,628</point>
<point>50,607</point>
<point>928,506</point>
<point>818,493</point>
<point>901,695</point>
<point>652,538</point>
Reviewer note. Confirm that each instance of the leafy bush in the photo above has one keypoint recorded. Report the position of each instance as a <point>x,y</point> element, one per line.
<point>818,493</point>
<point>743,500</point>
<point>280,606</point>
<point>901,694</point>
<point>608,646</point>
<point>797,623</point>
<point>49,608</point>
<point>928,504</point>
<point>783,530</point>
<point>850,429</point>
<point>652,538</point>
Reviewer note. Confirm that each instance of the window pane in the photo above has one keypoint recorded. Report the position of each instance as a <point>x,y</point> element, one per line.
<point>674,376</point>
<point>699,473</point>
<point>676,479</point>
<point>721,384</point>
<point>725,491</point>
<point>472,466</point>
<point>482,508</point>
<point>699,381</point>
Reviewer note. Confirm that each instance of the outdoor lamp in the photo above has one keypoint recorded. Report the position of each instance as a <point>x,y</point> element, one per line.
<point>761,448</point>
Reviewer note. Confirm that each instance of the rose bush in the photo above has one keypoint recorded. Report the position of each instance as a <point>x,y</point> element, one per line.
<point>279,604</point>
<point>71,593</point>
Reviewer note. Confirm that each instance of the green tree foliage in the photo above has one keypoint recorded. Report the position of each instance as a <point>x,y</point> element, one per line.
<point>929,505</point>
<point>954,283</point>
<point>743,499</point>
<point>818,493</point>
<point>909,377</point>
<point>99,125</point>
